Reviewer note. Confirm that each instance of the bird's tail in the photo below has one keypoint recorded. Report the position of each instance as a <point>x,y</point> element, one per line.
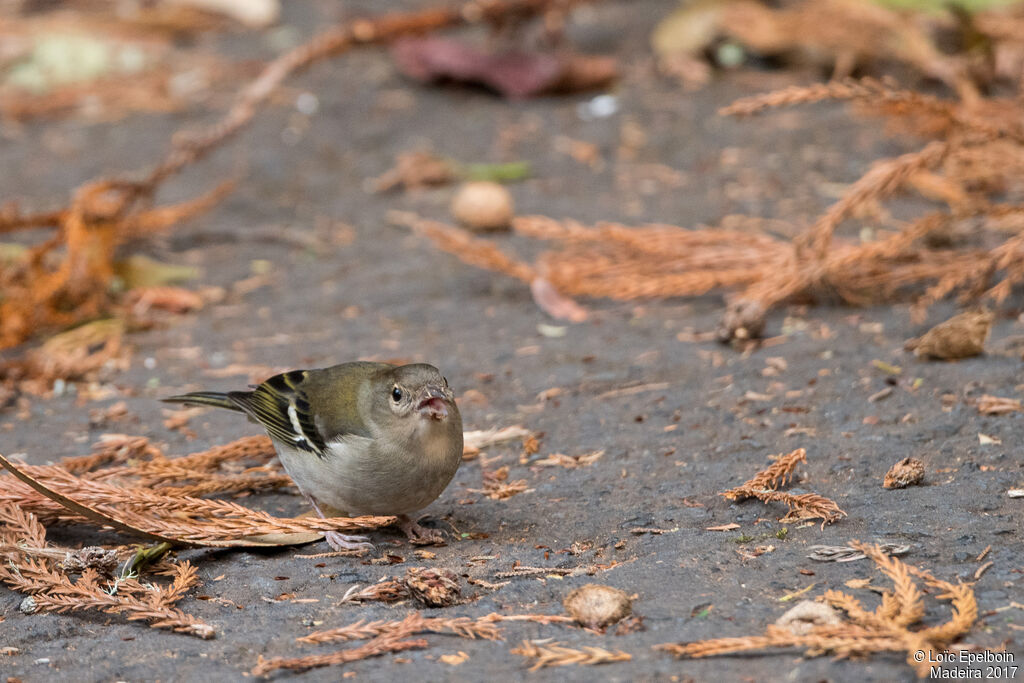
<point>213,399</point>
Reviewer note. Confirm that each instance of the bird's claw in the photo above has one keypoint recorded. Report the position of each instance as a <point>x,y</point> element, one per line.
<point>419,535</point>
<point>340,542</point>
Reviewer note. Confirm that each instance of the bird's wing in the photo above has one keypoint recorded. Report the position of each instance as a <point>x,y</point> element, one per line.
<point>281,405</point>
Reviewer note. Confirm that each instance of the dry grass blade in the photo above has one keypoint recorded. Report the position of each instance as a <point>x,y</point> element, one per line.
<point>554,654</point>
<point>884,630</point>
<point>52,590</point>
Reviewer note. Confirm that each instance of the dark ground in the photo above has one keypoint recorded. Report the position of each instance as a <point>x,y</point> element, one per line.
<point>417,304</point>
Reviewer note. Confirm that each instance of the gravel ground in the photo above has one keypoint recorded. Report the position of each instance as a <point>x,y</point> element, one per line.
<point>345,284</point>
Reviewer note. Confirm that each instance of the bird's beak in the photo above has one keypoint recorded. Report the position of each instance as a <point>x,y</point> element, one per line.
<point>433,403</point>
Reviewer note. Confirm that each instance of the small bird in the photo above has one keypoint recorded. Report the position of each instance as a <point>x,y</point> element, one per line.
<point>358,438</point>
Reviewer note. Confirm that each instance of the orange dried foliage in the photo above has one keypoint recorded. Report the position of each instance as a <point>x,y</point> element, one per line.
<point>555,654</point>
<point>66,278</point>
<point>886,629</point>
<point>775,475</point>
<point>28,564</point>
<point>386,636</point>
<point>973,246</point>
<point>131,485</point>
<point>803,506</point>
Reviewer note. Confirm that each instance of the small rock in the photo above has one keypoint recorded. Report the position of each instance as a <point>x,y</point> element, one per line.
<point>433,587</point>
<point>907,472</point>
<point>28,605</point>
<point>805,615</point>
<point>483,206</point>
<point>596,606</point>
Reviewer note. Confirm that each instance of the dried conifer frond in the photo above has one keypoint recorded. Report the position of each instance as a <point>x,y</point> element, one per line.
<point>976,157</point>
<point>464,627</point>
<point>849,89</point>
<point>65,279</point>
<point>387,636</point>
<point>113,449</point>
<point>498,487</point>
<point>374,648</point>
<point>777,474</point>
<point>52,590</point>
<point>803,506</point>
<point>554,654</point>
<point>382,591</point>
<point>178,519</point>
<point>884,630</point>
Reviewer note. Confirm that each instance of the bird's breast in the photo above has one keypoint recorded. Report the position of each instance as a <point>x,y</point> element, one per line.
<point>376,476</point>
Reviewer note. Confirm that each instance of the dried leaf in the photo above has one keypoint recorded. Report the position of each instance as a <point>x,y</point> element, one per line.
<point>514,75</point>
<point>906,472</point>
<point>962,336</point>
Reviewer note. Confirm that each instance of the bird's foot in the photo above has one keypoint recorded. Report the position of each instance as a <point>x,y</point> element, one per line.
<point>339,541</point>
<point>419,535</point>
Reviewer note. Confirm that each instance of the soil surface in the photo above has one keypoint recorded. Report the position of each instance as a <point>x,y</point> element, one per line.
<point>341,283</point>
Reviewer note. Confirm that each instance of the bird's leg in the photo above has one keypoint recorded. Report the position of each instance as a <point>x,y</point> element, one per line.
<point>417,534</point>
<point>338,540</point>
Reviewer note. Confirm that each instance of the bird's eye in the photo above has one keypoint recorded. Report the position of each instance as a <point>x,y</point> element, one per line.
<point>396,394</point>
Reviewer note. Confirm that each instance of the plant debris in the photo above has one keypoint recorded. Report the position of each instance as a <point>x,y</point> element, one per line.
<point>999,405</point>
<point>598,607</point>
<point>433,587</point>
<point>498,487</point>
<point>52,491</point>
<point>388,590</point>
<point>66,278</point>
<point>886,629</point>
<point>625,263</point>
<point>962,336</point>
<point>568,461</point>
<point>842,553</point>
<point>845,36</point>
<point>27,567</point>
<point>512,74</point>
<point>907,472</point>
<point>803,506</point>
<point>555,654</point>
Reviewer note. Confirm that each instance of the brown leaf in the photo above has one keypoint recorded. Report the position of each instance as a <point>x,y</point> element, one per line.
<point>962,336</point>
<point>906,472</point>
<point>513,75</point>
